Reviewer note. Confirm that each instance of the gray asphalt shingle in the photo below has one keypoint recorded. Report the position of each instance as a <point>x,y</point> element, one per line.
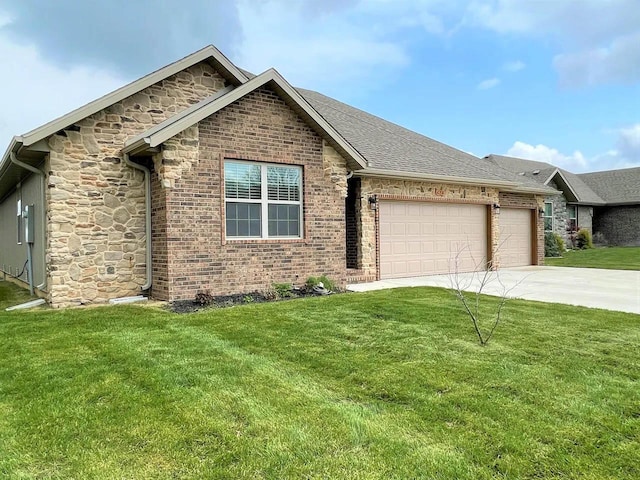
<point>388,146</point>
<point>615,186</point>
<point>526,168</point>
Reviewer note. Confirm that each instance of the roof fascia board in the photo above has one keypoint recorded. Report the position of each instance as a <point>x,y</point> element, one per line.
<point>209,52</point>
<point>564,179</point>
<point>500,184</point>
<point>195,115</point>
<point>376,172</point>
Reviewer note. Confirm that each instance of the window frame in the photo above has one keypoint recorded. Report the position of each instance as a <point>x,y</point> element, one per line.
<point>19,221</point>
<point>545,216</point>
<point>574,218</point>
<point>264,201</point>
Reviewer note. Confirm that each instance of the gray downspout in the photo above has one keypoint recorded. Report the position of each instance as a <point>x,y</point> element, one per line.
<point>43,220</point>
<point>147,201</point>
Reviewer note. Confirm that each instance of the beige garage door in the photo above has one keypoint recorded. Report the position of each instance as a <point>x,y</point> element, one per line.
<point>418,238</point>
<point>515,245</point>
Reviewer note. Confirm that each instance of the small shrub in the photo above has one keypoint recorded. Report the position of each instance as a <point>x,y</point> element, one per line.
<point>560,242</point>
<point>283,290</point>
<point>583,239</point>
<point>551,248</point>
<point>311,282</point>
<point>326,281</point>
<point>204,298</point>
<point>247,299</point>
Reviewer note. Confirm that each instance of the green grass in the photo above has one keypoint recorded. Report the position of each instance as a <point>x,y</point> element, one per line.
<point>388,384</point>
<point>11,295</point>
<point>616,258</point>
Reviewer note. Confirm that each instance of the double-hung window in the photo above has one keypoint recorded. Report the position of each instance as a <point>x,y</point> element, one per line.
<point>262,200</point>
<point>548,216</point>
<point>572,218</point>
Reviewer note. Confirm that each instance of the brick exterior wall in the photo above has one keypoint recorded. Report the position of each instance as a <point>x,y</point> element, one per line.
<point>96,210</point>
<point>519,200</point>
<point>259,127</point>
<point>619,225</point>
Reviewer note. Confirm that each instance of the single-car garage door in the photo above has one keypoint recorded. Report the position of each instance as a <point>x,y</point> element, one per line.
<point>514,248</point>
<point>419,238</point>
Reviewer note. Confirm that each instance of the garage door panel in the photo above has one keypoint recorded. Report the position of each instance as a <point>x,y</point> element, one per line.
<point>422,238</point>
<point>515,245</point>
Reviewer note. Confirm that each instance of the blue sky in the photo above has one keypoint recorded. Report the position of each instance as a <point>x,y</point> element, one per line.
<point>549,80</point>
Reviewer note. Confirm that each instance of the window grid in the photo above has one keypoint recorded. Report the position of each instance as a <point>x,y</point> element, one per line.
<point>572,215</point>
<point>548,216</point>
<point>279,202</point>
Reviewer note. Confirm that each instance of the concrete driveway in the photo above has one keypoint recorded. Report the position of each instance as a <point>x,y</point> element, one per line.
<point>617,290</point>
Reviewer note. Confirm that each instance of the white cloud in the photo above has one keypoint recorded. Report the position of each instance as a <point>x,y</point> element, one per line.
<point>598,40</point>
<point>625,154</point>
<point>629,142</point>
<point>514,66</point>
<point>618,62</point>
<point>34,92</point>
<point>542,153</point>
<point>489,83</point>
<point>326,52</point>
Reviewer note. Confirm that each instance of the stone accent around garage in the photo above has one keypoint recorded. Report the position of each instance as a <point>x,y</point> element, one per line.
<point>96,203</point>
<point>398,189</point>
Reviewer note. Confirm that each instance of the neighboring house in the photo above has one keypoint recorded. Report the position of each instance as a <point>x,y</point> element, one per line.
<point>605,203</point>
<point>618,221</point>
<point>563,214</point>
<point>201,176</point>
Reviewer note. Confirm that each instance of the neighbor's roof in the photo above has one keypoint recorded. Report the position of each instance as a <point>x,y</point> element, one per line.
<point>615,186</point>
<point>574,188</point>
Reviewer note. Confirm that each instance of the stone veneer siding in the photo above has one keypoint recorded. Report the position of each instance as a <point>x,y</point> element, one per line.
<point>585,217</point>
<point>258,127</point>
<point>620,225</point>
<point>410,190</point>
<point>519,200</point>
<point>559,213</point>
<point>96,209</point>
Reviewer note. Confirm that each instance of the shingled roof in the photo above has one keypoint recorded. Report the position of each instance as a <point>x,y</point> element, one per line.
<point>616,187</point>
<point>574,187</point>
<point>388,146</point>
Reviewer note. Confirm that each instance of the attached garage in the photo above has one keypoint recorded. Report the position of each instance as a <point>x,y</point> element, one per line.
<point>516,240</point>
<point>424,238</point>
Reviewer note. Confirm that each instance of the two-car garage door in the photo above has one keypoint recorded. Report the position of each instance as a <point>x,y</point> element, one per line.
<point>422,238</point>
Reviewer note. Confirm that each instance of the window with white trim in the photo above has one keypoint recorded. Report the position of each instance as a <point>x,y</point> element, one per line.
<point>19,214</point>
<point>262,200</point>
<point>548,216</point>
<point>572,218</point>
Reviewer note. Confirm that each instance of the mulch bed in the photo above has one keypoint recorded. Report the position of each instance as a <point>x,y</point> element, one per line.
<point>204,301</point>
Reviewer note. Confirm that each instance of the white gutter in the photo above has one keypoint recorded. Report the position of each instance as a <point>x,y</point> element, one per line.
<point>43,219</point>
<point>147,201</point>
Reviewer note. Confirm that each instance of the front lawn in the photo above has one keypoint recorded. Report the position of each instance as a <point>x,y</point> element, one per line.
<point>616,258</point>
<point>387,384</point>
<point>11,294</point>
